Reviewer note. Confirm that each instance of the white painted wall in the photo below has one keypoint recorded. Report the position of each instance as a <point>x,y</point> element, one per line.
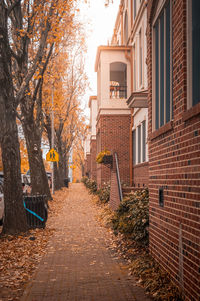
<point>93,117</point>
<point>87,145</point>
<point>139,116</point>
<point>103,74</point>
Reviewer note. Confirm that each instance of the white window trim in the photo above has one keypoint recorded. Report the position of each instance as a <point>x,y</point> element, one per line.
<point>157,15</point>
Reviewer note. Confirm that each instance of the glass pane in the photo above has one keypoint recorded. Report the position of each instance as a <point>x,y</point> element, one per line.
<point>157,75</point>
<point>139,143</point>
<point>144,141</point>
<point>162,69</point>
<point>134,9</point>
<point>167,92</point>
<point>196,51</point>
<point>134,147</point>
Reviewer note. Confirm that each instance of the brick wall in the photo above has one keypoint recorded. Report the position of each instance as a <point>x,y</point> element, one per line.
<point>88,165</point>
<point>113,134</point>
<point>93,151</point>
<point>114,190</point>
<point>141,175</point>
<point>174,164</point>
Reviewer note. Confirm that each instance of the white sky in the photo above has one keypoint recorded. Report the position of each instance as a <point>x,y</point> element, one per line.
<point>99,24</point>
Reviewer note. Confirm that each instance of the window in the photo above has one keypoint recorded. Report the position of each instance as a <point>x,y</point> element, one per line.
<point>139,143</point>
<point>134,146</point>
<point>134,69</point>
<point>141,57</point>
<point>162,94</point>
<point>118,80</point>
<point>193,52</point>
<point>144,141</point>
<point>126,28</point>
<point>134,9</point>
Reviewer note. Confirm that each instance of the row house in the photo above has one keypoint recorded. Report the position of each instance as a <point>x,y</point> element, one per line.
<point>93,148</point>
<point>122,120</point>
<point>87,156</point>
<point>90,151</point>
<point>148,113</point>
<point>173,35</point>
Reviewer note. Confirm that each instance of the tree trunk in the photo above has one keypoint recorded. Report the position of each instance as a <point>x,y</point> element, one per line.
<point>39,181</point>
<point>14,213</point>
<point>61,163</point>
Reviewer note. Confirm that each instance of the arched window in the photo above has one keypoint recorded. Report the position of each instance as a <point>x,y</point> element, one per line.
<point>118,80</point>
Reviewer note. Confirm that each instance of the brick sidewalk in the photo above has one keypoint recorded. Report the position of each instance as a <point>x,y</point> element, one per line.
<point>79,265</point>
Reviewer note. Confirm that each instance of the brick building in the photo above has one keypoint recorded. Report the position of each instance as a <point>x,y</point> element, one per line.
<point>93,148</point>
<point>130,30</point>
<point>173,58</point>
<point>113,120</point>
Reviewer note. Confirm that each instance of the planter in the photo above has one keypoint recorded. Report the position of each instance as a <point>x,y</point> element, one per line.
<point>107,159</point>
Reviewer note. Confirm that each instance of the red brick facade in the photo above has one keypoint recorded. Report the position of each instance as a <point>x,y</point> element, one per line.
<point>113,134</point>
<point>88,165</point>
<point>141,175</point>
<point>93,153</point>
<point>114,190</point>
<point>174,166</point>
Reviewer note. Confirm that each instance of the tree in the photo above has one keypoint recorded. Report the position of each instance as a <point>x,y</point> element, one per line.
<point>28,32</point>
<point>69,85</point>
<point>15,219</point>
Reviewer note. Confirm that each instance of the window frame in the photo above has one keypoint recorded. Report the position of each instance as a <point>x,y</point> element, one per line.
<point>144,135</point>
<point>189,57</point>
<point>157,124</point>
<point>139,142</point>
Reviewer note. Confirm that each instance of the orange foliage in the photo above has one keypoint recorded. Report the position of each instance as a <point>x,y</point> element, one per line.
<point>24,157</point>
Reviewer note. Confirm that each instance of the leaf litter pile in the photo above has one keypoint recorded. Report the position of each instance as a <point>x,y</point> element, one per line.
<point>128,227</point>
<point>21,254</point>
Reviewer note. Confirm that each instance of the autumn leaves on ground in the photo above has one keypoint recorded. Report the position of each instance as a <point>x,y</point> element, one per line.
<point>21,254</point>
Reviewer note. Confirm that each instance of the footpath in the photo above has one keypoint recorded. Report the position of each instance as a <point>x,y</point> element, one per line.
<point>79,265</point>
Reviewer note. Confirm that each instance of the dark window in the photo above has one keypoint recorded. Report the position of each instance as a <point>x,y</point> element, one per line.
<point>195,51</point>
<point>144,141</point>
<point>134,9</point>
<point>162,69</point>
<point>134,146</point>
<point>139,143</point>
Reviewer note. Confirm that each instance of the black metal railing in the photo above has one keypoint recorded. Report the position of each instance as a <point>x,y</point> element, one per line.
<point>118,92</point>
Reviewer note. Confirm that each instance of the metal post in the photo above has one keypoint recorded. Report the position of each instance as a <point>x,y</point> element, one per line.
<point>52,138</point>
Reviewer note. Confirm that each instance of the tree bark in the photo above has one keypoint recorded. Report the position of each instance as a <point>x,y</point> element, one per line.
<point>14,212</point>
<point>39,181</point>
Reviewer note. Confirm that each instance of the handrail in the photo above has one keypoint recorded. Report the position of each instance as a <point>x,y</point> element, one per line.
<point>118,91</point>
<point>118,177</point>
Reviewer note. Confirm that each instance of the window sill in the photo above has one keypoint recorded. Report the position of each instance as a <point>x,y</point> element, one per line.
<point>143,164</point>
<point>191,112</point>
<point>164,129</point>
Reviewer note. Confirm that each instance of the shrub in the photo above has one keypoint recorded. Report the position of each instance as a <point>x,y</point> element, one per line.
<point>104,194</point>
<point>132,217</point>
<point>90,184</point>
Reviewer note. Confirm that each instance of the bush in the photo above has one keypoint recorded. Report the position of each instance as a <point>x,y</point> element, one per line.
<point>104,194</point>
<point>132,217</point>
<point>90,184</point>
